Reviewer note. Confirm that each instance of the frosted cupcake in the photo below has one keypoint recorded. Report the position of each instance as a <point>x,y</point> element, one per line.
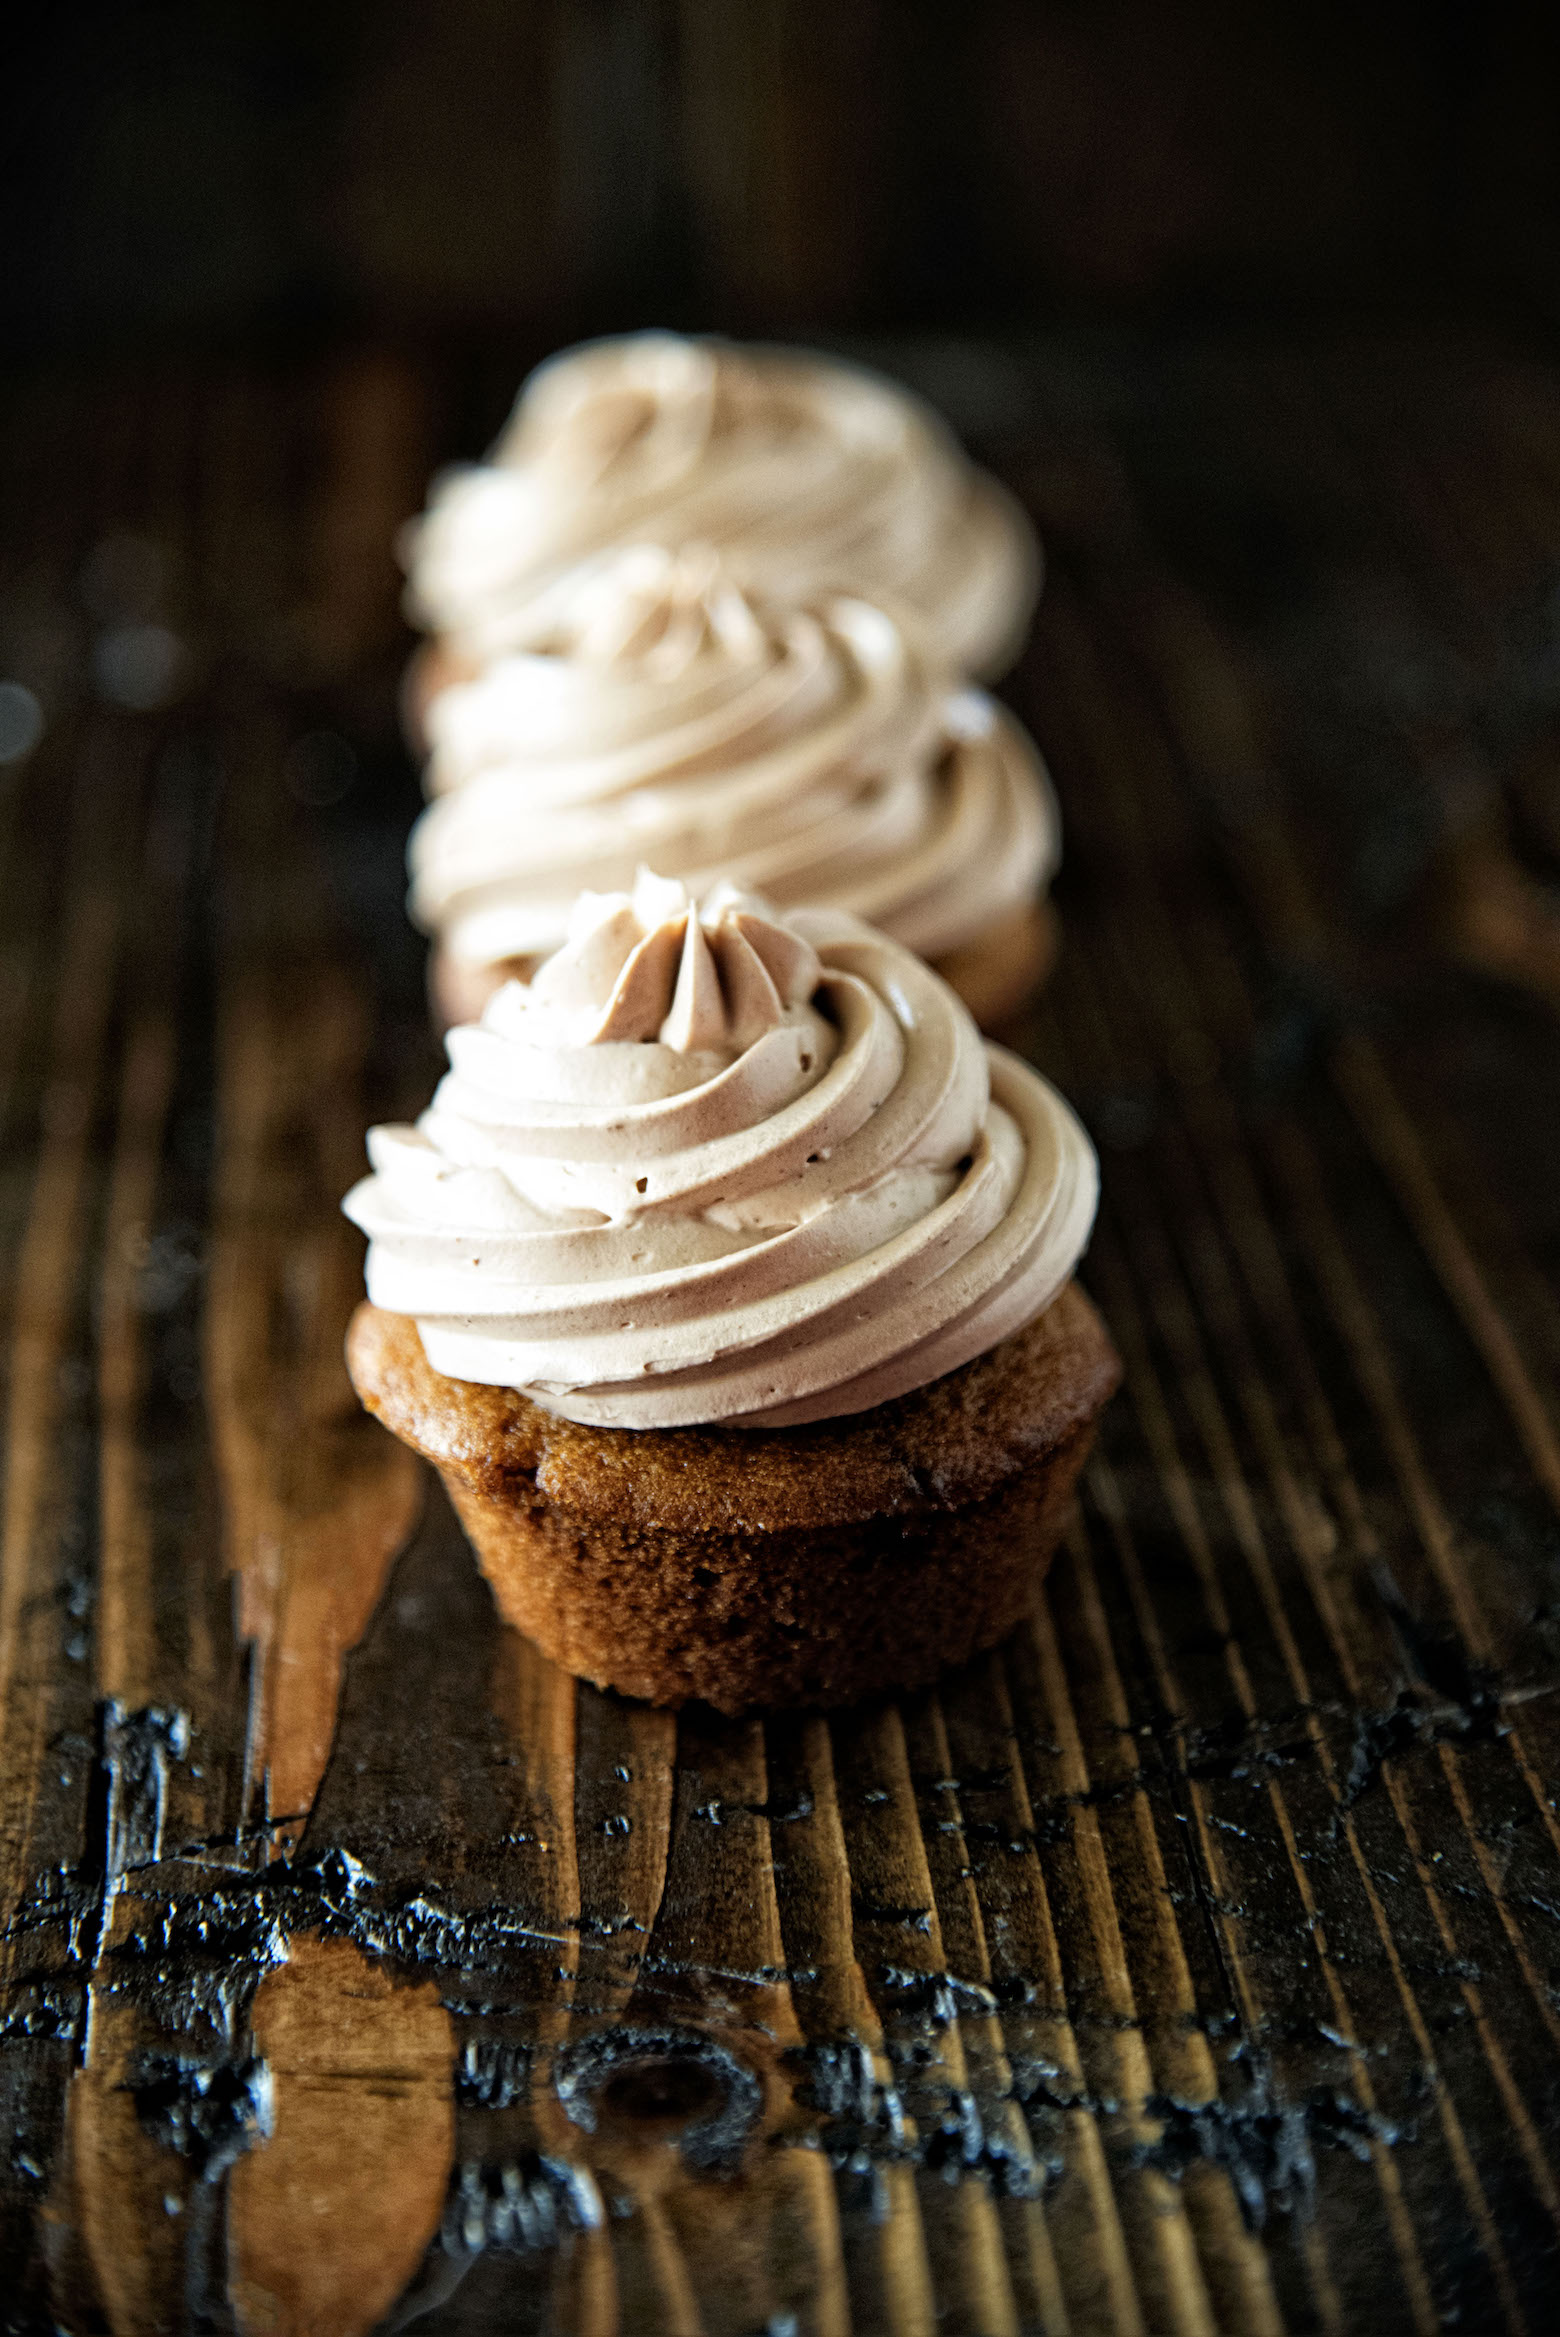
<point>803,471</point>
<point>728,1283</point>
<point>817,753</point>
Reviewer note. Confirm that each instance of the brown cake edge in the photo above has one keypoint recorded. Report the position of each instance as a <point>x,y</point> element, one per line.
<point>435,665</point>
<point>939,1448</point>
<point>762,1568</point>
<point>762,1622</point>
<point>997,975</point>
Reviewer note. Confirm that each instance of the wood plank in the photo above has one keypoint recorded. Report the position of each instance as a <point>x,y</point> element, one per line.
<point>1185,1965</point>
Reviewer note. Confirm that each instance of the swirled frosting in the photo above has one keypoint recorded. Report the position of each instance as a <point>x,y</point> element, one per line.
<point>721,1164</point>
<point>806,472</point>
<point>814,754</point>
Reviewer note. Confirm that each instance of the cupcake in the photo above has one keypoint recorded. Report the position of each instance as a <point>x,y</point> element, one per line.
<point>816,752</point>
<point>802,471</point>
<point>727,1283</point>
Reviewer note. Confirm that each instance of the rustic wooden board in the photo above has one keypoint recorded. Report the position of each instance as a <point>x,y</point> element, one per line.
<point>1191,1964</point>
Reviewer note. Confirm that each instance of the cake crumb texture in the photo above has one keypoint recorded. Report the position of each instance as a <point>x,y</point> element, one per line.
<point>764,1567</point>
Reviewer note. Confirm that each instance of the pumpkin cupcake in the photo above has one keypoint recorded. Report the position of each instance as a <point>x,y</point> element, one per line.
<point>801,470</point>
<point>727,1283</point>
<point>816,752</point>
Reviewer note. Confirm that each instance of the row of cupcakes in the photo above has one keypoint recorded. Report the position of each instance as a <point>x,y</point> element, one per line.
<point>728,1279</point>
<point>717,611</point>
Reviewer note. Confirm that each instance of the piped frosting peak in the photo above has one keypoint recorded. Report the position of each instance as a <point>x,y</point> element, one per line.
<point>652,966</point>
<point>723,1163</point>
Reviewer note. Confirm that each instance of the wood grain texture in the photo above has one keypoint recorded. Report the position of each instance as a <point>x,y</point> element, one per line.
<point>360,2137</point>
<point>1185,1966</point>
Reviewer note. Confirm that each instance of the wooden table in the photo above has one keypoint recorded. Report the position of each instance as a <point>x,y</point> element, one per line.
<point>1191,1964</point>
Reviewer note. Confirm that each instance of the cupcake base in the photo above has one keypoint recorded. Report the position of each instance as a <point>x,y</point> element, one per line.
<point>998,975</point>
<point>994,976</point>
<point>458,990</point>
<point>431,668</point>
<point>756,1568</point>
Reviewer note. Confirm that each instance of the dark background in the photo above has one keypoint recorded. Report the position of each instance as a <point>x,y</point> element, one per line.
<point>211,172</point>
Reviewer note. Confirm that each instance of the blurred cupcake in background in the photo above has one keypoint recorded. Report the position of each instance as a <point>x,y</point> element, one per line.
<point>664,716</point>
<point>802,471</point>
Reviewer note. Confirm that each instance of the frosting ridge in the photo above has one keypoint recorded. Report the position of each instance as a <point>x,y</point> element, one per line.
<point>815,752</point>
<point>717,1163</point>
<point>804,470</point>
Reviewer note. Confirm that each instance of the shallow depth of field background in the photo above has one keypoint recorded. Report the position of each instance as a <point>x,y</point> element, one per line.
<point>217,172</point>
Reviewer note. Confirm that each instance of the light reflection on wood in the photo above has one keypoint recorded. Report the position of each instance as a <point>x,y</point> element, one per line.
<point>329,2219</point>
<point>317,1499</point>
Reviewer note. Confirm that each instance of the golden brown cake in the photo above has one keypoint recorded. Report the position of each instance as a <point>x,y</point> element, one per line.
<point>753,1567</point>
<point>999,972</point>
<point>728,1282</point>
<point>436,666</point>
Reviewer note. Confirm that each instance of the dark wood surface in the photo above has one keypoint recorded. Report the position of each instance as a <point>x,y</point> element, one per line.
<point>1193,1963</point>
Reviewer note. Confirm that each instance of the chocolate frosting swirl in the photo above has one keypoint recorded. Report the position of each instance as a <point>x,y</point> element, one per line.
<point>815,753</point>
<point>721,1164</point>
<point>804,471</point>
